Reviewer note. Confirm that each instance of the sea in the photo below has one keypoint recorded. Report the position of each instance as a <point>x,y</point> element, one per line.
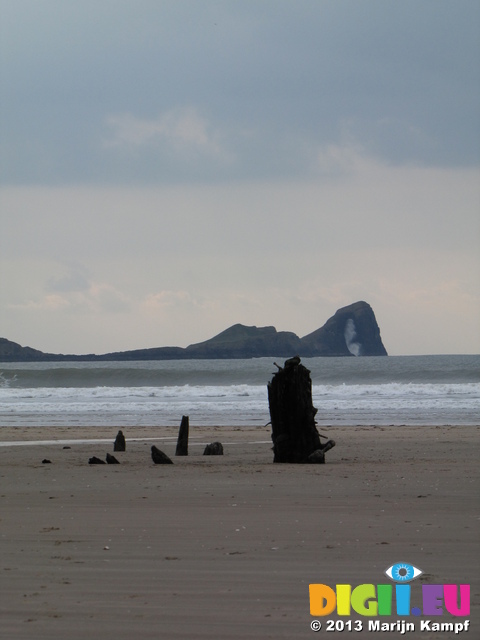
<point>383,391</point>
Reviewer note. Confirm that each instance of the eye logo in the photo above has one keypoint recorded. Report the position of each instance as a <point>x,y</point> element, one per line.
<point>403,572</point>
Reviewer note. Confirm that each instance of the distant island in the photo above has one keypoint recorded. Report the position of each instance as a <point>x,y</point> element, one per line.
<point>352,331</point>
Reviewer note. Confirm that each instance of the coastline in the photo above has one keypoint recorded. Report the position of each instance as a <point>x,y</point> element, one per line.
<point>225,547</point>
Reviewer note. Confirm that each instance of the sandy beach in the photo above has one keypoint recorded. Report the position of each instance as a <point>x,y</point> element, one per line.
<point>226,547</point>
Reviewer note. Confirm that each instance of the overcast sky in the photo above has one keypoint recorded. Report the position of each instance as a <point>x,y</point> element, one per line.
<point>172,167</point>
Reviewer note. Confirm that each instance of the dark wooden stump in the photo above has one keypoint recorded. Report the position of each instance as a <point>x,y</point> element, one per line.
<point>294,434</point>
<point>182,442</point>
<point>119,444</point>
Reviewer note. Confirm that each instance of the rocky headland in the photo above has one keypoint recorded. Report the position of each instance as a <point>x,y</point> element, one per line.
<point>352,331</point>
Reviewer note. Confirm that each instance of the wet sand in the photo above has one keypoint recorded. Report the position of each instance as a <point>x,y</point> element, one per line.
<point>226,547</point>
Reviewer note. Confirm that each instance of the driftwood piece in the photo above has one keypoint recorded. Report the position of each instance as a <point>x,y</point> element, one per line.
<point>159,457</point>
<point>119,444</point>
<point>317,457</point>
<point>182,442</point>
<point>213,449</point>
<point>294,434</point>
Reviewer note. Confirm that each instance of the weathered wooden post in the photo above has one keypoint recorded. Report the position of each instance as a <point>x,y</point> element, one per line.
<point>294,434</point>
<point>182,442</point>
<point>119,444</point>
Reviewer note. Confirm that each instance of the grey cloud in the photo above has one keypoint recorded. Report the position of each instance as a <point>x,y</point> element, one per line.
<point>275,80</point>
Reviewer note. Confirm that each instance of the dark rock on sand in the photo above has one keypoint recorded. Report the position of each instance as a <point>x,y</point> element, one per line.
<point>159,457</point>
<point>213,449</point>
<point>95,460</point>
<point>111,459</point>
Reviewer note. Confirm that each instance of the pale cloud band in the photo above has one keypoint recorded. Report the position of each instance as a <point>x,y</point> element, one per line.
<point>184,129</point>
<point>176,265</point>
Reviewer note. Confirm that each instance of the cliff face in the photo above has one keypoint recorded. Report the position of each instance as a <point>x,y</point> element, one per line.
<point>352,331</point>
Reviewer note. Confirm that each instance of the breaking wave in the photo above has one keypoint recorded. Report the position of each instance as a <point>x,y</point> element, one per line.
<point>346,391</point>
